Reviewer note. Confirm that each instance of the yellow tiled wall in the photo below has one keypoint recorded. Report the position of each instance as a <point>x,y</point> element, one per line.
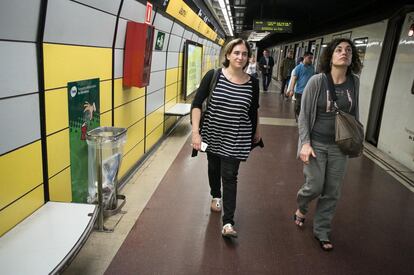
<point>75,50</point>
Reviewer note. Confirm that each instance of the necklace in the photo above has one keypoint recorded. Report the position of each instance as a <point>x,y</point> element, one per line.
<point>230,77</point>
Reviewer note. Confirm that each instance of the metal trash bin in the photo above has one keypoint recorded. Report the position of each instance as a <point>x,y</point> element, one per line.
<point>105,146</point>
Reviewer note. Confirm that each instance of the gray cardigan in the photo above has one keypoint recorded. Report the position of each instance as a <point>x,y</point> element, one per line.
<point>307,116</point>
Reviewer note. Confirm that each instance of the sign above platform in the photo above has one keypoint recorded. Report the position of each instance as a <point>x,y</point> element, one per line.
<point>279,26</point>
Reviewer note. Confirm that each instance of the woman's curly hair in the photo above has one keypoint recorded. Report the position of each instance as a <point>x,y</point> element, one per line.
<point>325,61</point>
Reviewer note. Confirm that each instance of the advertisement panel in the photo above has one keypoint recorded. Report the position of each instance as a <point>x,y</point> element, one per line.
<point>193,54</point>
<point>83,99</point>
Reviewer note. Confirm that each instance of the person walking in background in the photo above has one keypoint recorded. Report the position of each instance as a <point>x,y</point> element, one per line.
<point>252,67</point>
<point>299,60</point>
<point>300,77</point>
<point>324,163</point>
<point>288,64</point>
<point>266,64</point>
<point>229,128</point>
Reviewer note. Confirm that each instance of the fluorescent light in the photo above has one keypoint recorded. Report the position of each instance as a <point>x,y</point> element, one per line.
<point>226,13</point>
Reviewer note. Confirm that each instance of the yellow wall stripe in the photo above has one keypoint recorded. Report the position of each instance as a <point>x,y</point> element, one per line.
<point>180,10</point>
<point>154,119</point>
<point>60,187</point>
<point>128,114</point>
<point>64,63</point>
<point>171,92</point>
<point>135,134</point>
<point>180,60</point>
<point>105,96</point>
<point>131,158</point>
<point>154,137</point>
<point>20,172</point>
<point>15,213</point>
<point>179,89</point>
<point>106,119</point>
<point>172,75</point>
<point>125,94</point>
<point>57,117</point>
<point>180,75</point>
<point>58,152</point>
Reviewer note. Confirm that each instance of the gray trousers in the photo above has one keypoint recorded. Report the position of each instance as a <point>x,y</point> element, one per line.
<point>323,179</point>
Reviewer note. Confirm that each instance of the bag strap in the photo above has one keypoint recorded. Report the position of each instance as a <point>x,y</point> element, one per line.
<point>331,87</point>
<point>213,83</point>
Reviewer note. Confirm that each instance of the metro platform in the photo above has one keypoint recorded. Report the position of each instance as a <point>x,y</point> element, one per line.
<point>167,226</point>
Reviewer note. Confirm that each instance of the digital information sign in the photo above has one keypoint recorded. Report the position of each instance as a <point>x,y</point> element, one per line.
<point>279,26</point>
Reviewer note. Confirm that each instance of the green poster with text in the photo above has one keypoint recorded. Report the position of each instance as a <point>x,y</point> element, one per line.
<point>83,99</point>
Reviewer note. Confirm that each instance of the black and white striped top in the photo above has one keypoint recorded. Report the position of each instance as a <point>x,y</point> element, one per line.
<point>227,128</point>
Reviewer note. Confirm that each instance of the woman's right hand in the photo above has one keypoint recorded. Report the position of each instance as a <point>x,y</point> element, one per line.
<point>306,152</point>
<point>196,141</point>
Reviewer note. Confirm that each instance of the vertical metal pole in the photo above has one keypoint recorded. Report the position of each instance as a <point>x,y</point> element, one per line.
<point>115,200</point>
<point>99,178</point>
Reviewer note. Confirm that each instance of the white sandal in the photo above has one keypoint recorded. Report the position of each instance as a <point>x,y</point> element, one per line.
<point>216,205</point>
<point>228,231</point>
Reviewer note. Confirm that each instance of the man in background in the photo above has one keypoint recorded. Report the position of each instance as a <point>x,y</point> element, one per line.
<point>300,77</point>
<point>266,64</point>
<point>288,64</point>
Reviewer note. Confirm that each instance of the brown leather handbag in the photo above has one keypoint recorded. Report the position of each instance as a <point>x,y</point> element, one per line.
<point>349,132</point>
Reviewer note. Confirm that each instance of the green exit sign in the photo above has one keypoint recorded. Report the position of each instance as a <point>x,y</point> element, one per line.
<point>280,26</point>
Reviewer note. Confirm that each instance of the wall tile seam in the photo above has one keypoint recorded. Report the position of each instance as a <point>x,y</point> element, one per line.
<point>155,91</point>
<point>92,7</point>
<point>20,197</point>
<point>76,45</point>
<point>135,123</point>
<point>133,147</point>
<point>126,103</point>
<point>63,87</point>
<point>170,100</point>
<point>155,110</point>
<point>158,71</point>
<point>17,41</point>
<point>20,147</point>
<point>57,131</point>
<point>155,128</point>
<point>18,95</point>
<point>59,172</point>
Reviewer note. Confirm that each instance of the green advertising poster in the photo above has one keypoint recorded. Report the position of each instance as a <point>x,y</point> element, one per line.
<point>83,99</point>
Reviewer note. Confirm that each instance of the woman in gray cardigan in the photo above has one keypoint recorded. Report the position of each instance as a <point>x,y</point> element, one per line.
<point>324,163</point>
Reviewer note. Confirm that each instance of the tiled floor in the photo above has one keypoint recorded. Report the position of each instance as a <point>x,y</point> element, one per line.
<point>172,231</point>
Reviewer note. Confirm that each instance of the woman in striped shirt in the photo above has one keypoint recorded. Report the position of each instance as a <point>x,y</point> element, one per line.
<point>229,127</point>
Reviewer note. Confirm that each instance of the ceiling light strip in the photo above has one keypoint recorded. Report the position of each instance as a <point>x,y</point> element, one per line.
<point>225,9</point>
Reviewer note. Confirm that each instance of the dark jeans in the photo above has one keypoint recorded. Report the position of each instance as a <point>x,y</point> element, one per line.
<point>284,82</point>
<point>267,77</point>
<point>298,101</point>
<point>226,170</point>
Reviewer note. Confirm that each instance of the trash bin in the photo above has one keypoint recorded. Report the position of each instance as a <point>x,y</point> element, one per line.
<point>105,146</point>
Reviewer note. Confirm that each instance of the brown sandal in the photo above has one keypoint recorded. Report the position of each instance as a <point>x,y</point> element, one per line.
<point>300,222</point>
<point>323,243</point>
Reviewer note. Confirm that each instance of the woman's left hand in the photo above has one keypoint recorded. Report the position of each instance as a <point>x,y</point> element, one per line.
<point>256,137</point>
